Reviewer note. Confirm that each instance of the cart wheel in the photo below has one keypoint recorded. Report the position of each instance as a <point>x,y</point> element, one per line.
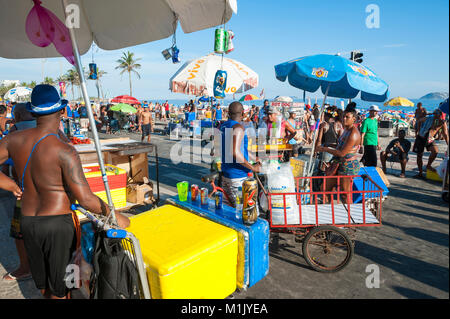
<point>445,196</point>
<point>327,249</point>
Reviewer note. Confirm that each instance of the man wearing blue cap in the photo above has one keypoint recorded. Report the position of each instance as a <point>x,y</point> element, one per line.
<point>50,179</point>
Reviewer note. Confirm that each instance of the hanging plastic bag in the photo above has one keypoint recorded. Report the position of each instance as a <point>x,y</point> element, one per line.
<point>230,37</point>
<point>281,180</point>
<point>442,167</point>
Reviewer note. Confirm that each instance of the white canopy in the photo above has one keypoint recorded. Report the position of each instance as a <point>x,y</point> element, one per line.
<point>196,77</point>
<point>111,24</point>
<point>286,99</point>
<point>17,93</point>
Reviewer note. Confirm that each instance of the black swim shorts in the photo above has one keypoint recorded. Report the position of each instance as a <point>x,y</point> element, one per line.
<point>145,129</point>
<point>50,242</point>
<point>421,143</point>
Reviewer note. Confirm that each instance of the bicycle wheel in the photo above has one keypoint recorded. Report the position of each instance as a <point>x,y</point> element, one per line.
<point>327,249</point>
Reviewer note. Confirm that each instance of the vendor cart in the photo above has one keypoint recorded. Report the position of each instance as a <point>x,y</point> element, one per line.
<point>325,221</point>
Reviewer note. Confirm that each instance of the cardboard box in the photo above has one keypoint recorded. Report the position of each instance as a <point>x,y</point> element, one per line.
<point>140,193</point>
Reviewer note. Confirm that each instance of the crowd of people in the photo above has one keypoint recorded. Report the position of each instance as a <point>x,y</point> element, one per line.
<point>46,174</point>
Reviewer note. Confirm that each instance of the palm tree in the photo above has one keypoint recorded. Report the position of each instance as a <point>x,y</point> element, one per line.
<point>73,78</point>
<point>128,63</point>
<point>32,84</point>
<point>49,81</point>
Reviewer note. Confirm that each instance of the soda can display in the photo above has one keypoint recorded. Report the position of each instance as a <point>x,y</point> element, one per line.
<point>250,195</point>
<point>204,196</point>
<point>194,192</point>
<point>219,200</point>
<point>220,40</point>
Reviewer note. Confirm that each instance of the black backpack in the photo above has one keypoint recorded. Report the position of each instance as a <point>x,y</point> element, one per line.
<point>114,275</point>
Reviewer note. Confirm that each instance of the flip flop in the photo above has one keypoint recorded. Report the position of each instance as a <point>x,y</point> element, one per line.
<point>401,176</point>
<point>10,277</point>
<point>419,176</point>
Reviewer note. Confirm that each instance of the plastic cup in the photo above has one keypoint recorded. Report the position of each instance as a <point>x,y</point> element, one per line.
<point>182,188</point>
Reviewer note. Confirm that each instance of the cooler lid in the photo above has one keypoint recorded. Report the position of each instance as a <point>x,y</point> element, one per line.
<point>172,238</point>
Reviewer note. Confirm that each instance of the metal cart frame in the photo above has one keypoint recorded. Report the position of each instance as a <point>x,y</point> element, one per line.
<point>129,242</point>
<point>327,220</point>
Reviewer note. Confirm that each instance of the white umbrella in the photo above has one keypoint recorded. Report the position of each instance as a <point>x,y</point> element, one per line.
<point>111,24</point>
<point>18,93</point>
<point>285,99</point>
<point>196,77</point>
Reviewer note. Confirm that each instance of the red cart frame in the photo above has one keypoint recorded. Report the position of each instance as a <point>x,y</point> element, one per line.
<point>328,224</point>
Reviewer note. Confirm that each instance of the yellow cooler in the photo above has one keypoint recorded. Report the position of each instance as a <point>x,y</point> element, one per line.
<point>186,256</point>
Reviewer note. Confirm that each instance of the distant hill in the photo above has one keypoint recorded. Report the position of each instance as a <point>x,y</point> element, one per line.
<point>435,96</point>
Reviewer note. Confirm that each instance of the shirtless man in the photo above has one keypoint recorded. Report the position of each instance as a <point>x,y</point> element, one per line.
<point>145,124</point>
<point>427,128</point>
<point>51,178</point>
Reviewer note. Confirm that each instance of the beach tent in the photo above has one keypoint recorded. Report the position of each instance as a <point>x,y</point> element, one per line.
<point>111,25</point>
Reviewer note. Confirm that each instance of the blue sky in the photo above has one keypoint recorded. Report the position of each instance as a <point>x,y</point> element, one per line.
<point>410,49</point>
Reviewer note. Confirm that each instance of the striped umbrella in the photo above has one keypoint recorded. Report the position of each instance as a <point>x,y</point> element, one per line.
<point>248,97</point>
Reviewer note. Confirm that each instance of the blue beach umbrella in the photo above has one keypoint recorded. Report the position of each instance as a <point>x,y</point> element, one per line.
<point>336,76</point>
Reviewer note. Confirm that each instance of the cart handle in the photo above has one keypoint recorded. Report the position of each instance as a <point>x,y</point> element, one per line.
<point>210,177</point>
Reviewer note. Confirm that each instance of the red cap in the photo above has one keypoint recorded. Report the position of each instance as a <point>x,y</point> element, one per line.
<point>250,174</point>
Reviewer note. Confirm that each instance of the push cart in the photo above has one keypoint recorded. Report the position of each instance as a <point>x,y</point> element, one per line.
<point>325,221</point>
<point>129,243</point>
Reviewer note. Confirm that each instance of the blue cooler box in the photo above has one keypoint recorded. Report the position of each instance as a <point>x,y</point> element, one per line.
<point>360,185</point>
<point>253,246</point>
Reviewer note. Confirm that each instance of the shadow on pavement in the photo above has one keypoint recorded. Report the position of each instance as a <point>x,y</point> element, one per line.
<point>412,294</point>
<point>430,218</point>
<point>424,272</point>
<point>276,248</point>
<point>433,210</point>
<point>424,234</point>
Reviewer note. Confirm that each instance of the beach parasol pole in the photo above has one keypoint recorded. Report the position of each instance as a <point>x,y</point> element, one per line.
<point>311,163</point>
<point>84,92</point>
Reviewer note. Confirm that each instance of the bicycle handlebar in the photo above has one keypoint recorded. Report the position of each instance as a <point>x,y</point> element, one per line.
<point>210,177</point>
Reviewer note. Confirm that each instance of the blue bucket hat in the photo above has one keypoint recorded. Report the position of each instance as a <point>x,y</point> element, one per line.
<point>45,100</point>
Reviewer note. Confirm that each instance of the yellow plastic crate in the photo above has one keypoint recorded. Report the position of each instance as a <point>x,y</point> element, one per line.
<point>186,256</point>
<point>118,195</point>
